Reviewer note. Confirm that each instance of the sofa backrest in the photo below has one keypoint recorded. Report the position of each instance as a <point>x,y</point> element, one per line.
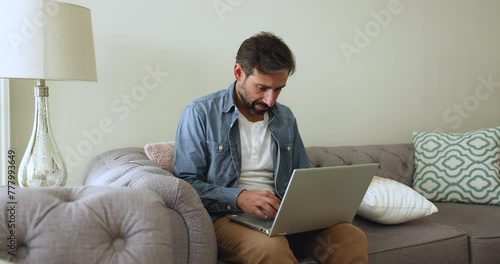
<point>397,161</point>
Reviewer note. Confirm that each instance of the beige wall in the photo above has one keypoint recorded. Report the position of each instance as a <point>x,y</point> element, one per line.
<point>368,71</point>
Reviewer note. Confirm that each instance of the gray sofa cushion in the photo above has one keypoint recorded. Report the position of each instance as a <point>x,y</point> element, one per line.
<point>92,224</point>
<point>481,222</point>
<point>414,242</point>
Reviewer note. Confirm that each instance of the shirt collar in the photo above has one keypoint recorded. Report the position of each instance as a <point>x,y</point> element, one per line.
<point>229,103</point>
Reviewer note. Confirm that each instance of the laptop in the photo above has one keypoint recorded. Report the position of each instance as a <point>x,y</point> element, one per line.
<point>316,198</point>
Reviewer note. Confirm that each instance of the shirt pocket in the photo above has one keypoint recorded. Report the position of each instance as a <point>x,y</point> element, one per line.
<point>221,169</point>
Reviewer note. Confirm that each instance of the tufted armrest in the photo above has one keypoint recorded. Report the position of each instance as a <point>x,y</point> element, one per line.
<point>120,167</point>
<point>397,161</point>
<point>86,224</point>
<point>131,167</point>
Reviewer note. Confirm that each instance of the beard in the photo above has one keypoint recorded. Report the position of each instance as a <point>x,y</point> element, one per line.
<point>251,105</point>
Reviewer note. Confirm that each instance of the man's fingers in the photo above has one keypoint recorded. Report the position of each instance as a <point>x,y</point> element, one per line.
<point>260,203</point>
<point>273,201</point>
<point>269,210</point>
<point>260,213</point>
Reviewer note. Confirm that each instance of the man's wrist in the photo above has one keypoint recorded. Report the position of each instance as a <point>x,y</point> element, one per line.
<point>237,205</point>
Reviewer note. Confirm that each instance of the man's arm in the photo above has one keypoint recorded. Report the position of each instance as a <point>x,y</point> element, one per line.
<point>300,158</point>
<point>191,162</point>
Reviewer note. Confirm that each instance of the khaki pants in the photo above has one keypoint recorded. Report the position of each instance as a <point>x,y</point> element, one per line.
<point>342,244</point>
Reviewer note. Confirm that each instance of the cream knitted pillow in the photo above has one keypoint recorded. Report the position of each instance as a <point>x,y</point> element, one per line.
<point>162,153</point>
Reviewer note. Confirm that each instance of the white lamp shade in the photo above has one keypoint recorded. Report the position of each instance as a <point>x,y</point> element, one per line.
<point>44,39</point>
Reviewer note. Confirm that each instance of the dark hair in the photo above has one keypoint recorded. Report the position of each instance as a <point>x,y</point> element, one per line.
<point>267,53</point>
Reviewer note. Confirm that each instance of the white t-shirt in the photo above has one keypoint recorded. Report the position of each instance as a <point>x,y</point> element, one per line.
<point>257,146</point>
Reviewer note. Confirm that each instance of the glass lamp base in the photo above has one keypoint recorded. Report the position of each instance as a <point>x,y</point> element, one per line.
<point>42,164</point>
<point>41,172</point>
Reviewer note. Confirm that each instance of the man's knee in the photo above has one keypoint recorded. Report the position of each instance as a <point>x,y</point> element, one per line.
<point>266,250</point>
<point>343,243</point>
<point>273,250</point>
<point>273,246</point>
<point>353,231</point>
<point>345,235</point>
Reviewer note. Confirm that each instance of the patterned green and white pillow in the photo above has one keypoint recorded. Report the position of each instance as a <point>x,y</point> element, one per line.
<point>458,167</point>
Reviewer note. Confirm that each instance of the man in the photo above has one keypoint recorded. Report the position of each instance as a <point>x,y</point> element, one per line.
<point>238,148</point>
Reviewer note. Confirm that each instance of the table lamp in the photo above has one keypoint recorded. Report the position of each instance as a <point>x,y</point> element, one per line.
<point>45,40</point>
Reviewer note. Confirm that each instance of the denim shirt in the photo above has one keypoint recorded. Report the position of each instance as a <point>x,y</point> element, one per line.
<point>208,149</point>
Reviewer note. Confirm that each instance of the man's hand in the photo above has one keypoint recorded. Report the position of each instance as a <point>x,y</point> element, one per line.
<point>260,203</point>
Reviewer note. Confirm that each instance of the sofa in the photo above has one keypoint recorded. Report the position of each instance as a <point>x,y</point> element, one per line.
<point>457,233</point>
<point>128,211</point>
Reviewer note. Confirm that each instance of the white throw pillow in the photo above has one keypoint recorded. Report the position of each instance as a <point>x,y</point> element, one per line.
<point>390,202</point>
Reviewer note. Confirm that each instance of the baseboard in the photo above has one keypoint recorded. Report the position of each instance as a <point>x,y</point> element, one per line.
<point>4,128</point>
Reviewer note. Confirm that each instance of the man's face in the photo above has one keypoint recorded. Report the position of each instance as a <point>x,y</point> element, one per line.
<point>258,92</point>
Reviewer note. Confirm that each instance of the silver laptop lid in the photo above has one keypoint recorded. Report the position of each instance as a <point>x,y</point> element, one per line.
<point>318,198</point>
